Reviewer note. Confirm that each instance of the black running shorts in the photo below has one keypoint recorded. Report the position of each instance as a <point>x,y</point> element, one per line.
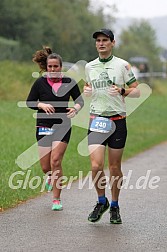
<point>115,139</point>
<point>61,133</point>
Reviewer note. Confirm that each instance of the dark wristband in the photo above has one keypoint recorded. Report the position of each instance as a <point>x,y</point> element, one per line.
<point>122,91</point>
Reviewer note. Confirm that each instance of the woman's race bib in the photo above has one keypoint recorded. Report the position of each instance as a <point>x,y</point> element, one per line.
<point>43,131</point>
<point>101,124</point>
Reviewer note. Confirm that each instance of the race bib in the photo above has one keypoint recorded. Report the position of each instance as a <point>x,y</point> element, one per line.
<point>101,124</point>
<point>43,131</point>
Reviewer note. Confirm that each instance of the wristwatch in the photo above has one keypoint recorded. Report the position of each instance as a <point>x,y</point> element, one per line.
<point>122,91</point>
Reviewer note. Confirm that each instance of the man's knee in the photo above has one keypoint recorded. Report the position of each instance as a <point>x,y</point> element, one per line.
<point>97,167</point>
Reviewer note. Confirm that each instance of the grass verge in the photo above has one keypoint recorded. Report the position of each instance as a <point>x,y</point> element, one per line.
<point>146,128</point>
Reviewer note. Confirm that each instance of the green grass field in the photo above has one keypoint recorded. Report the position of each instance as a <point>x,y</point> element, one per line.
<point>146,127</point>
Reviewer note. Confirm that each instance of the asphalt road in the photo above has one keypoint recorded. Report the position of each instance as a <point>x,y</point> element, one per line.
<point>32,226</point>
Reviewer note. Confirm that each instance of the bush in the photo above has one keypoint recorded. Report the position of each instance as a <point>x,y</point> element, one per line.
<point>10,49</point>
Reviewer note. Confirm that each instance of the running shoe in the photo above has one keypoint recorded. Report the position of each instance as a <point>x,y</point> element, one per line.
<point>98,211</point>
<point>115,217</point>
<point>57,205</point>
<point>48,184</point>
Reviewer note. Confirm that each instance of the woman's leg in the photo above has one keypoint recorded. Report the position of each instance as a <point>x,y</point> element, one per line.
<point>44,155</point>
<point>57,153</point>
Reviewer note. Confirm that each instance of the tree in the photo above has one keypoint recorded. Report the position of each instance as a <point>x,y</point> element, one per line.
<point>139,39</point>
<point>65,25</point>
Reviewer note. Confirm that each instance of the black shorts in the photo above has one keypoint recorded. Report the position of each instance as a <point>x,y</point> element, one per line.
<point>116,139</point>
<point>61,133</point>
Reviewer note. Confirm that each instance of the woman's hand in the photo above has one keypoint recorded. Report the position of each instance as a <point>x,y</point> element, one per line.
<point>71,112</point>
<point>48,108</point>
<point>87,90</point>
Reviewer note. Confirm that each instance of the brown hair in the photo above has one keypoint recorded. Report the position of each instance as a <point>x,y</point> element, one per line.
<point>41,56</point>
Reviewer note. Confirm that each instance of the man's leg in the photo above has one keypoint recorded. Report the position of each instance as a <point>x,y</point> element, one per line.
<point>97,158</point>
<point>97,166</point>
<point>116,176</point>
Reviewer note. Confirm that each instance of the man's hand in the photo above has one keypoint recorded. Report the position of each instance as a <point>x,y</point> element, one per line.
<point>87,90</point>
<point>114,90</point>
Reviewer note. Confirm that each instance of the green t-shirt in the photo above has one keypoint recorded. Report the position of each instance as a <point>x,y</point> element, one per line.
<point>101,75</point>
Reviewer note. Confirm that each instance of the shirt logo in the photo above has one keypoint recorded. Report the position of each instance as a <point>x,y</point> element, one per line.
<point>103,81</point>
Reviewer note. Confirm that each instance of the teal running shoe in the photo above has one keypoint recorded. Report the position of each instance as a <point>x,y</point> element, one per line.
<point>57,205</point>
